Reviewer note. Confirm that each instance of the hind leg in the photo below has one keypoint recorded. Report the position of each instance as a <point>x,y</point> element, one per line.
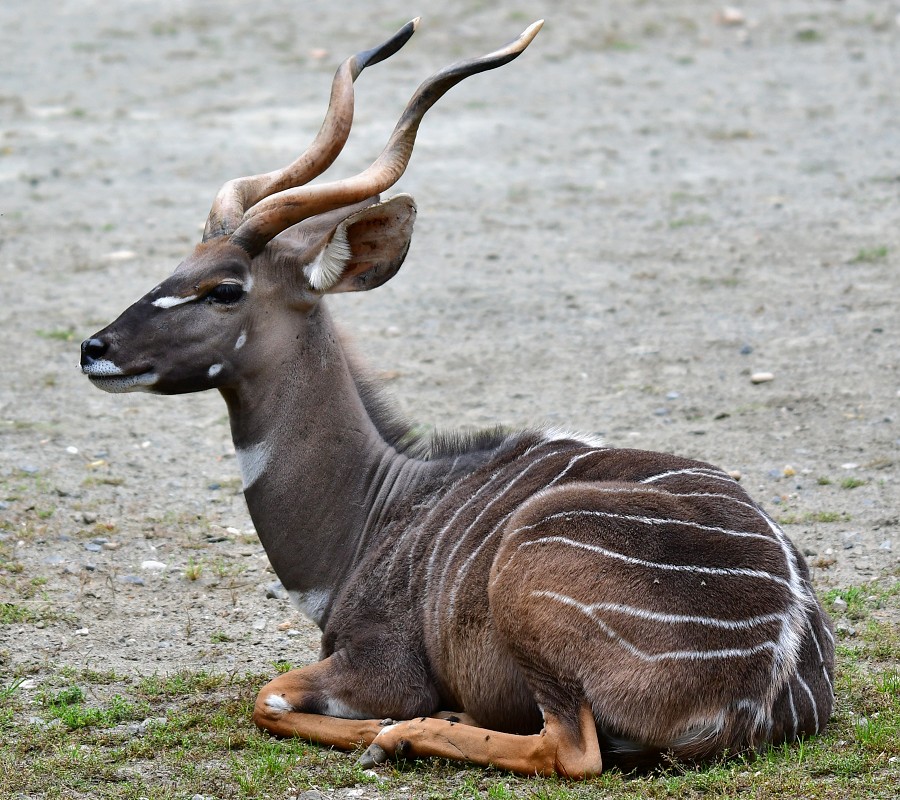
<point>566,746</point>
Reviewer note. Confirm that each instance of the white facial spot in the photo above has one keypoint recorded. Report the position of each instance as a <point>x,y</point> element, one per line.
<point>241,340</point>
<point>248,284</point>
<point>277,703</point>
<point>252,461</point>
<point>169,302</point>
<point>214,370</point>
<point>312,603</point>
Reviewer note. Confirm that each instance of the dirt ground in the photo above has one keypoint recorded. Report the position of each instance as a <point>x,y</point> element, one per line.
<point>615,233</point>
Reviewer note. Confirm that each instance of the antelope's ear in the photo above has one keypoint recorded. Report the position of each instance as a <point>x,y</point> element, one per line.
<point>366,249</point>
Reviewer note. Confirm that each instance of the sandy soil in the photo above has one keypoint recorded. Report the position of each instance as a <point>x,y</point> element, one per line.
<point>615,233</point>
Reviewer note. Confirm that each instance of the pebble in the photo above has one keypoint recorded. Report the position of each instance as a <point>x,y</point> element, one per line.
<point>72,451</point>
<point>746,350</point>
<point>53,560</point>
<point>275,591</point>
<point>294,632</point>
<point>89,517</point>
<point>661,412</point>
<point>839,604</point>
<point>93,547</point>
<point>133,579</point>
<point>311,794</point>
<point>153,566</point>
<point>761,377</point>
<point>28,469</point>
<point>3,505</point>
<point>672,395</point>
<point>140,728</point>
<point>850,539</point>
<point>82,631</point>
<point>259,625</point>
<point>885,545</point>
<point>111,545</point>
<point>845,630</point>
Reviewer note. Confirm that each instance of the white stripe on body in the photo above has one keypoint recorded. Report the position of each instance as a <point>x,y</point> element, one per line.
<point>660,616</point>
<point>669,655</point>
<point>705,472</point>
<point>729,571</point>
<point>516,478</point>
<point>812,701</point>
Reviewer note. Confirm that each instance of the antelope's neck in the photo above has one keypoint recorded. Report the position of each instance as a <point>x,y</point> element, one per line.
<point>318,477</point>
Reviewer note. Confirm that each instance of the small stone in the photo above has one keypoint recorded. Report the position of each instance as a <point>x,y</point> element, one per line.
<point>761,377</point>
<point>735,474</point>
<point>746,350</point>
<point>849,465</point>
<point>89,517</point>
<point>839,604</point>
<point>284,626</point>
<point>82,631</point>
<point>73,451</point>
<point>829,551</point>
<point>672,395</point>
<point>275,591</point>
<point>661,412</point>
<point>214,487</point>
<point>311,794</point>
<point>844,629</point>
<point>259,625</point>
<point>730,16</point>
<point>885,545</point>
<point>93,547</point>
<point>53,560</point>
<point>850,539</point>
<point>135,580</point>
<point>3,505</point>
<point>294,632</point>
<point>111,545</point>
<point>788,471</point>
<point>28,469</point>
<point>153,566</point>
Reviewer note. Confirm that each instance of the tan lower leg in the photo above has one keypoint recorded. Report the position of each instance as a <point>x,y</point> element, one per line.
<point>557,749</point>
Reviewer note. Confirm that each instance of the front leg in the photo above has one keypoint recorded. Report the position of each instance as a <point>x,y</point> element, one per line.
<point>566,746</point>
<point>302,703</point>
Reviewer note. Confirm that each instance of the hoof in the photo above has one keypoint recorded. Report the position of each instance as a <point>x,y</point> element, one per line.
<point>375,754</point>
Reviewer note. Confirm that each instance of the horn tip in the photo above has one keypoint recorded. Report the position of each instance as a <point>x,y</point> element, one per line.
<point>415,23</point>
<point>530,32</point>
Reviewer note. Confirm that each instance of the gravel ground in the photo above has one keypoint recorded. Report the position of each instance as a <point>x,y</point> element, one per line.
<point>615,234</point>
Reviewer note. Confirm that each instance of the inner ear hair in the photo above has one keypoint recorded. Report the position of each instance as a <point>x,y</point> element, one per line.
<point>366,249</point>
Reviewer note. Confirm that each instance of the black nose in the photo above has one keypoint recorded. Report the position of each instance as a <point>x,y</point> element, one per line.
<point>92,349</point>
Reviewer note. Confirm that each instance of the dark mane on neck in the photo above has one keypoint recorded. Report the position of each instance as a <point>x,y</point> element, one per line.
<point>416,440</point>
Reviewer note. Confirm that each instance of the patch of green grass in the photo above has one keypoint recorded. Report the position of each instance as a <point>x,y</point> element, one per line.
<point>689,221</point>
<point>208,740</point>
<point>852,483</point>
<point>868,255</point>
<point>791,518</point>
<point>11,614</point>
<point>808,35</point>
<point>823,480</point>
<point>57,334</point>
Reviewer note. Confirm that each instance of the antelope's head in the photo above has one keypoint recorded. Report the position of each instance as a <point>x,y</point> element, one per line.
<point>273,246</point>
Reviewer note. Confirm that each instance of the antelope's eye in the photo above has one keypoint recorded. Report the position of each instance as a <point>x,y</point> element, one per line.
<point>226,293</point>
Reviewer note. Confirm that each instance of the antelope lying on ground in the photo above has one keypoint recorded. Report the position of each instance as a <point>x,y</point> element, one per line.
<point>561,598</point>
